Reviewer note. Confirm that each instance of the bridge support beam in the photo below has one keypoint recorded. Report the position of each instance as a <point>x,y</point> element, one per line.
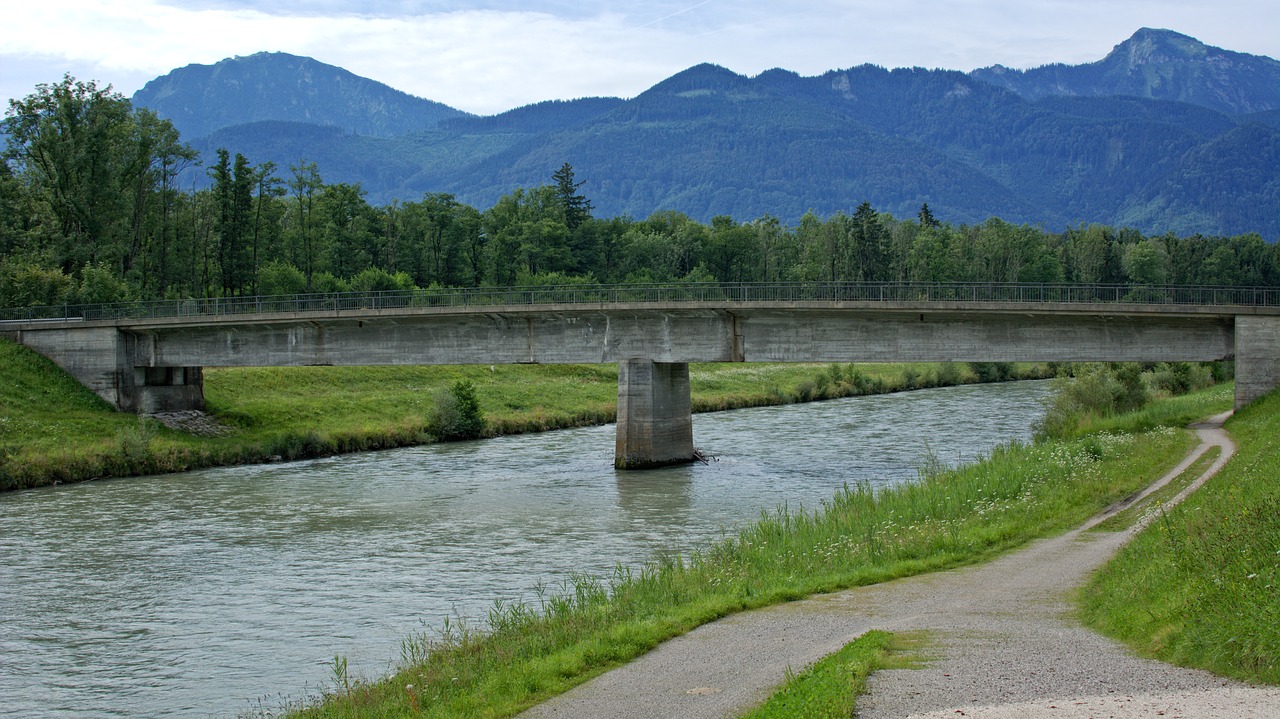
<point>1257,357</point>
<point>655,418</point>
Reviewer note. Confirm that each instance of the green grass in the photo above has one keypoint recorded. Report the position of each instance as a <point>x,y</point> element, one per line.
<point>828,688</point>
<point>1200,587</point>
<point>53,430</point>
<point>527,652</point>
<point>1176,411</point>
<point>1130,515</point>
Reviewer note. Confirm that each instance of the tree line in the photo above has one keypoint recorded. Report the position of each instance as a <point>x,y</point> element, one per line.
<point>91,211</point>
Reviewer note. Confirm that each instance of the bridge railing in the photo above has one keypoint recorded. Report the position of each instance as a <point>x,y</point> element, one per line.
<point>700,292</point>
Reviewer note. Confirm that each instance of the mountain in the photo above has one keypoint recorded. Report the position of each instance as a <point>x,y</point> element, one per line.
<point>202,99</point>
<point>1158,65</point>
<point>708,141</point>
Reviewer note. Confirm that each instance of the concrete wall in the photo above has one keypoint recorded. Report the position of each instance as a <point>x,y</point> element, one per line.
<point>779,336</point>
<point>96,356</point>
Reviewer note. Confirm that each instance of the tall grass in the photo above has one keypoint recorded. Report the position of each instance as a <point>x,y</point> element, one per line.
<point>1200,586</point>
<point>528,651</point>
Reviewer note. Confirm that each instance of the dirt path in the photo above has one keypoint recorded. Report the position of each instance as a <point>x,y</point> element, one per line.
<point>1004,645</point>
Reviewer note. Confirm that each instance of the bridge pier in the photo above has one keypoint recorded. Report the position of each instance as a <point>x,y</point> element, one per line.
<point>1257,357</point>
<point>655,418</point>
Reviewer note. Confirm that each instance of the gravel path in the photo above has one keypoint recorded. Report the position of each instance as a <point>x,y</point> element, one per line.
<point>1003,645</point>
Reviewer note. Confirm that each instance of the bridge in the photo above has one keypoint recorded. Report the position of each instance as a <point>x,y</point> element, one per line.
<point>149,356</point>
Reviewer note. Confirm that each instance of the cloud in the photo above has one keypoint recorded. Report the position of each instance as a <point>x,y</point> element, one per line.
<point>491,55</point>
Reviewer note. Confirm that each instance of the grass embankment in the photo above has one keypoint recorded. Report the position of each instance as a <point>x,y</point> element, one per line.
<point>526,653</point>
<point>53,430</point>
<point>1200,587</point>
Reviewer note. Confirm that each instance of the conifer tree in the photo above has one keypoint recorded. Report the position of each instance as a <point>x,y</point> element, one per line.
<point>577,208</point>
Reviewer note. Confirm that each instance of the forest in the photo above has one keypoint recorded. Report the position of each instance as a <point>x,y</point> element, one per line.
<point>91,211</point>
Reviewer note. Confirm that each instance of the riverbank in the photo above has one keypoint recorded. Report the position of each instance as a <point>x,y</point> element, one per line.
<point>54,431</point>
<point>526,654</point>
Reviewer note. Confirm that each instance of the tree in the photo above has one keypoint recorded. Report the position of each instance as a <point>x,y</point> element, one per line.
<point>1146,263</point>
<point>926,216</point>
<point>266,212</point>
<point>348,229</point>
<point>576,208</point>
<point>87,153</point>
<point>304,186</point>
<point>170,158</point>
<point>439,208</point>
<point>869,241</point>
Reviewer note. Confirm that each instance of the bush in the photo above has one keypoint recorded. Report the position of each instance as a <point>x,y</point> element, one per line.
<point>949,374</point>
<point>910,377</point>
<point>376,279</point>
<point>1175,378</point>
<point>29,284</point>
<point>992,371</point>
<point>1094,392</point>
<point>457,413</point>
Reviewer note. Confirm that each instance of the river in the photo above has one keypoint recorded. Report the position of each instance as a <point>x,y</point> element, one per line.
<point>223,591</point>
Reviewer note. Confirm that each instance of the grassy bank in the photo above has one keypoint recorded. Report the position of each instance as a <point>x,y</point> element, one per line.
<point>528,652</point>
<point>53,430</point>
<point>1200,586</point>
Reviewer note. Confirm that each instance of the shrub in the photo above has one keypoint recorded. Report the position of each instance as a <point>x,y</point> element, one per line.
<point>948,374</point>
<point>910,378</point>
<point>992,371</point>
<point>457,412</point>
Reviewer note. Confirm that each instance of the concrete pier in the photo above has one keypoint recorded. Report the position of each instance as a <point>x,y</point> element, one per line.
<point>655,421</point>
<point>1257,357</point>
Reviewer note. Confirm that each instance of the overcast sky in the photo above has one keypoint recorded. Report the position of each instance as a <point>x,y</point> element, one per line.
<point>492,55</point>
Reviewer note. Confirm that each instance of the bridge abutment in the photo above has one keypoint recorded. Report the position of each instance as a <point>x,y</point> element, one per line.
<point>655,417</point>
<point>104,360</point>
<point>1257,357</point>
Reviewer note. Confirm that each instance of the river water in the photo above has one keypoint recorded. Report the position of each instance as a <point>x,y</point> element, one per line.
<point>220,592</point>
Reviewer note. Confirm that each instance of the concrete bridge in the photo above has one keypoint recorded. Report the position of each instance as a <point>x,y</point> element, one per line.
<point>149,357</point>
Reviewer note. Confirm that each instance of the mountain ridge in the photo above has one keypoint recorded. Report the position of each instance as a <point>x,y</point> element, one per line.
<point>1159,65</point>
<point>708,141</point>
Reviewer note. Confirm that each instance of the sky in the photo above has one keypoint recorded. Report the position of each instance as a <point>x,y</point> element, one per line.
<point>492,55</point>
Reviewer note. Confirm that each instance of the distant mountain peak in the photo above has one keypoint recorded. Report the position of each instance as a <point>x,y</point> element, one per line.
<point>704,77</point>
<point>1150,46</point>
<point>278,86</point>
<point>1159,65</point>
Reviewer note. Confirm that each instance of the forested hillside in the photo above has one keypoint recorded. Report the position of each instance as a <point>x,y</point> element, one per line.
<point>92,212</point>
<point>1165,134</point>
